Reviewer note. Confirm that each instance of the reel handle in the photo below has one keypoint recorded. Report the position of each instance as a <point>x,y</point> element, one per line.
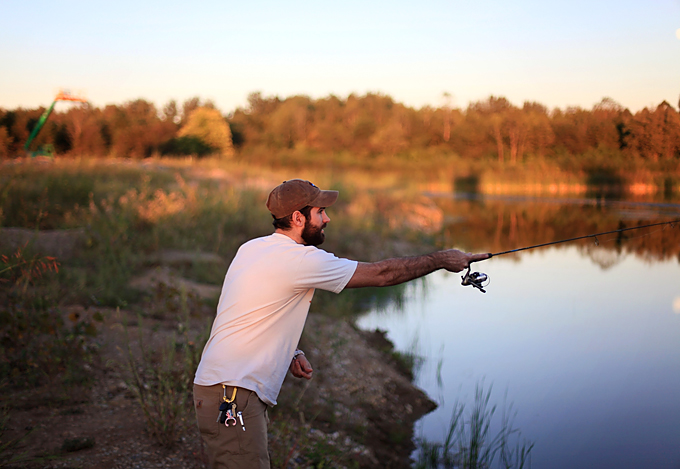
<point>474,279</point>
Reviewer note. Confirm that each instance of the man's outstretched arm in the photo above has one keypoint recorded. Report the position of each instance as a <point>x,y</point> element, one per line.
<point>399,270</point>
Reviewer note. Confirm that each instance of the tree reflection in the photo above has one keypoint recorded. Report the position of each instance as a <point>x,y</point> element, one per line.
<point>502,224</point>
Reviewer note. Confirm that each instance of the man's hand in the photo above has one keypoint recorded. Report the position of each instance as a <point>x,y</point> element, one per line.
<point>301,368</point>
<point>455,260</point>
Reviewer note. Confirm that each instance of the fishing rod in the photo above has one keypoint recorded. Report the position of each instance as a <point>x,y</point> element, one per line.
<point>477,279</point>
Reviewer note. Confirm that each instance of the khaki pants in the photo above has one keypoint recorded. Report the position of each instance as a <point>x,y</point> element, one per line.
<point>231,447</point>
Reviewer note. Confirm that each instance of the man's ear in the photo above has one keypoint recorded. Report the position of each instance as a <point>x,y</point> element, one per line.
<point>298,219</point>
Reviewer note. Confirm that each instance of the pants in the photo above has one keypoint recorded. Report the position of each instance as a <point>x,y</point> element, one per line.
<point>231,447</point>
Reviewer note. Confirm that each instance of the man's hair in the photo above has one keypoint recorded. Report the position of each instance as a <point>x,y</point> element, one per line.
<point>285,223</point>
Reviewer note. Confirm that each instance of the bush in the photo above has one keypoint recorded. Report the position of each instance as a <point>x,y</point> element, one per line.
<point>35,341</point>
<point>185,146</point>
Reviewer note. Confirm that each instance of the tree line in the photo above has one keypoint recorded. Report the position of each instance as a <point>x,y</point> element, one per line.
<point>368,125</point>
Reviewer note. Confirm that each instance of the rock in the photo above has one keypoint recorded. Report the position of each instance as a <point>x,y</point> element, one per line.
<point>152,278</point>
<point>62,244</point>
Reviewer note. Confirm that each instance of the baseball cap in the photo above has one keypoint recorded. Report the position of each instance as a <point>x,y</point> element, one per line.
<point>295,194</point>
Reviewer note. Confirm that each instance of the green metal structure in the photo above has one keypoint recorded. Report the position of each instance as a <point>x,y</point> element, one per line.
<point>48,150</point>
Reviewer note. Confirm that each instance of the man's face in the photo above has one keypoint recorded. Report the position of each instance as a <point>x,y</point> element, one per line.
<point>312,233</point>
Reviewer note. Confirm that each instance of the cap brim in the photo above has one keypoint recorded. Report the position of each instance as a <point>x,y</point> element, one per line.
<point>325,199</point>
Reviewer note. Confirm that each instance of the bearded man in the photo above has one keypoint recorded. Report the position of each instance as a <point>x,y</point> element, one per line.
<point>261,314</point>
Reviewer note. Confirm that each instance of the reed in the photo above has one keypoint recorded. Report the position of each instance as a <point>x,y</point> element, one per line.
<point>469,442</point>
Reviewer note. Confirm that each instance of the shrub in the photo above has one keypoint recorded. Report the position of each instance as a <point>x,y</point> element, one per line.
<point>36,343</point>
<point>187,145</point>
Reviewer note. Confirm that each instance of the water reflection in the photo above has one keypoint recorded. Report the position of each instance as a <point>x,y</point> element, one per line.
<point>583,338</point>
<point>483,222</point>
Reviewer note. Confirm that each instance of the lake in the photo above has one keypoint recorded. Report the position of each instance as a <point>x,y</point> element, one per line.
<point>582,338</point>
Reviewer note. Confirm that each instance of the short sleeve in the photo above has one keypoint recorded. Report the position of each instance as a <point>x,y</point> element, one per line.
<point>321,269</point>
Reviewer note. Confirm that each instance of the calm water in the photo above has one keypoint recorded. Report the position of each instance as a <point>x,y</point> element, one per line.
<point>583,339</point>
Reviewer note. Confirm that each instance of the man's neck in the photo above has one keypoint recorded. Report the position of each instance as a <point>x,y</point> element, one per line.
<point>292,234</point>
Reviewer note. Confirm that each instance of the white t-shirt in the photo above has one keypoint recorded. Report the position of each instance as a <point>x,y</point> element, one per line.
<point>262,310</point>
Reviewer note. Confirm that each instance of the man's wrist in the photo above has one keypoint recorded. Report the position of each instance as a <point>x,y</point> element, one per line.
<point>297,353</point>
<point>438,260</point>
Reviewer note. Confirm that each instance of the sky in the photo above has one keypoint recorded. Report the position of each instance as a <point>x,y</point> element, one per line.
<point>559,53</point>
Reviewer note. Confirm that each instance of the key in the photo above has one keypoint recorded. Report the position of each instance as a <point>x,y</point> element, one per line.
<point>223,412</point>
<point>240,417</point>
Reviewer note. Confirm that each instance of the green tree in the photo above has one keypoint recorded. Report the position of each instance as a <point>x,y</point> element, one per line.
<point>208,125</point>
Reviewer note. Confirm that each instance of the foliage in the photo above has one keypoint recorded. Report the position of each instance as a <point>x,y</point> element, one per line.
<point>294,129</point>
<point>36,343</point>
<point>161,381</point>
<point>469,443</point>
<point>8,447</point>
<point>43,201</point>
<point>186,145</point>
<point>208,126</point>
<point>21,272</point>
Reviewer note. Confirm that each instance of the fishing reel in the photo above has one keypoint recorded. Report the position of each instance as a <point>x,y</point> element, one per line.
<point>476,279</point>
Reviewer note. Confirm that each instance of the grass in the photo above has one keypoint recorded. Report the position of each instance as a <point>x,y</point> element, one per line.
<point>38,342</point>
<point>469,442</point>
<point>128,213</point>
<point>161,379</point>
<point>9,448</point>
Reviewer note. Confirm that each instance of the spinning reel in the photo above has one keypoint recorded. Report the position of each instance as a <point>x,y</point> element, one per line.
<point>476,279</point>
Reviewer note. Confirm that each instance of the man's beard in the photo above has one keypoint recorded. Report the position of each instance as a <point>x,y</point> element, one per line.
<point>312,235</point>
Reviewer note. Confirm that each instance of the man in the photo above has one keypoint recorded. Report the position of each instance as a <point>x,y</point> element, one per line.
<point>261,313</point>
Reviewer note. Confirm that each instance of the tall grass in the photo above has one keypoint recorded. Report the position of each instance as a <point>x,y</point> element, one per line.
<point>161,379</point>
<point>38,342</point>
<point>11,452</point>
<point>469,442</point>
<point>127,212</point>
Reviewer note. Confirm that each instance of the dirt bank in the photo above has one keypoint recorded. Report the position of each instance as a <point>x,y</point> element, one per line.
<point>358,405</point>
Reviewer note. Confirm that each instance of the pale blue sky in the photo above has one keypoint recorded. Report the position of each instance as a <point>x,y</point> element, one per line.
<point>559,53</point>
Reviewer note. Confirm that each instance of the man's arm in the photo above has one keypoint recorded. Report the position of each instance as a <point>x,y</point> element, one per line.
<point>395,271</point>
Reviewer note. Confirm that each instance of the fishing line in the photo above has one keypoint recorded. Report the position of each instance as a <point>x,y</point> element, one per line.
<point>477,279</point>
<point>595,235</point>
